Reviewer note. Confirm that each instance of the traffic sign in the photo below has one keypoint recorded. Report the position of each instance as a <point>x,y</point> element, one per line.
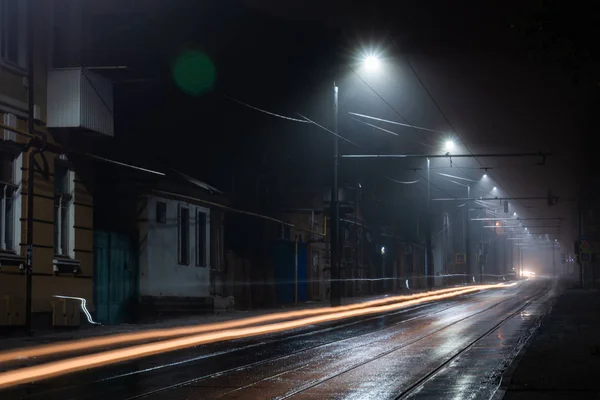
<point>586,247</point>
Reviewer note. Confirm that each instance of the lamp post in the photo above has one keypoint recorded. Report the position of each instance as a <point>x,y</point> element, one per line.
<point>371,63</point>
<point>336,289</point>
<point>428,249</point>
<point>467,239</point>
<point>382,269</point>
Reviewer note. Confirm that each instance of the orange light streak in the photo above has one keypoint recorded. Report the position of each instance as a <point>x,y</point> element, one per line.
<point>124,338</point>
<point>56,368</point>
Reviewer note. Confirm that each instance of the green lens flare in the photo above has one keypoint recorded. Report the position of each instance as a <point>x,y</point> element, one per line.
<point>194,72</point>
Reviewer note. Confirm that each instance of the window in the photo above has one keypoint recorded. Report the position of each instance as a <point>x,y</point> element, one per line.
<point>8,191</point>
<point>63,209</point>
<point>201,236</point>
<point>10,120</point>
<point>10,195</point>
<point>183,237</point>
<point>13,31</point>
<point>161,212</point>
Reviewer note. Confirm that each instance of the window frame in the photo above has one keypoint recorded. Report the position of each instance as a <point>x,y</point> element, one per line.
<point>64,242</point>
<point>180,250</point>
<point>202,235</point>
<point>160,207</point>
<point>14,184</point>
<point>20,65</point>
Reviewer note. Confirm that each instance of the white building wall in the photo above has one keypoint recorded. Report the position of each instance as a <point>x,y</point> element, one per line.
<point>161,274</point>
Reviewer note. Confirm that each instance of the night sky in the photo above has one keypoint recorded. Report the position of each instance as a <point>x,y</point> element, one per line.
<point>508,77</point>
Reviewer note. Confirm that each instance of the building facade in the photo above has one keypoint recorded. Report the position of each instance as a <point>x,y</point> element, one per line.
<point>62,246</point>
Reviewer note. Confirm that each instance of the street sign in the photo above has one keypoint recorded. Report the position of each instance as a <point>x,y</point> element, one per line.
<point>586,247</point>
<point>460,258</point>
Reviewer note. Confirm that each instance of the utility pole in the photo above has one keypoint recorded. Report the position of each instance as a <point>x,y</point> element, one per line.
<point>467,238</point>
<point>581,263</point>
<point>429,253</point>
<point>553,265</point>
<point>336,292</point>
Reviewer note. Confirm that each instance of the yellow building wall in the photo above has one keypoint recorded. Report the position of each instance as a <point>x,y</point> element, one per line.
<point>45,282</point>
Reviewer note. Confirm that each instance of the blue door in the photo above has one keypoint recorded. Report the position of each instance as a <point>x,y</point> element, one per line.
<point>284,256</point>
<point>115,277</point>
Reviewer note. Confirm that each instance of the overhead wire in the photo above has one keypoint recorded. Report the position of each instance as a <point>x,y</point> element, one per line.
<point>437,105</point>
<point>265,111</point>
<point>395,122</point>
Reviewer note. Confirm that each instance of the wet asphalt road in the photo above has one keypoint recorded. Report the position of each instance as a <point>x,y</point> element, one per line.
<point>456,348</point>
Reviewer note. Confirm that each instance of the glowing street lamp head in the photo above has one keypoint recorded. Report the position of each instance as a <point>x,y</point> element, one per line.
<point>449,145</point>
<point>494,188</point>
<point>515,214</point>
<point>485,175</point>
<point>382,250</point>
<point>372,63</point>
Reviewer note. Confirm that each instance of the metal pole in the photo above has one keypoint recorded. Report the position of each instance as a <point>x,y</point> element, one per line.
<point>467,239</point>
<point>31,165</point>
<point>336,294</point>
<point>429,253</point>
<point>296,271</point>
<point>553,263</point>
<point>382,272</point>
<point>581,263</point>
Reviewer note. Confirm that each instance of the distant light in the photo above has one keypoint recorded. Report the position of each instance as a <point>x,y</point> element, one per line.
<point>497,223</point>
<point>494,188</point>
<point>359,185</point>
<point>528,274</point>
<point>382,250</point>
<point>485,175</point>
<point>449,145</point>
<point>515,214</point>
<point>372,63</point>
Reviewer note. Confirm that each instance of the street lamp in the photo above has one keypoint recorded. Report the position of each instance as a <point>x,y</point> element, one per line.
<point>371,63</point>
<point>449,145</point>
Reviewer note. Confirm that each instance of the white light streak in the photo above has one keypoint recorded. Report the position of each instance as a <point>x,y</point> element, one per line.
<point>83,307</point>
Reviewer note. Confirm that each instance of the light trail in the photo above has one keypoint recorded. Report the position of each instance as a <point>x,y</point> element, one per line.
<point>165,333</point>
<point>56,368</point>
<point>83,307</point>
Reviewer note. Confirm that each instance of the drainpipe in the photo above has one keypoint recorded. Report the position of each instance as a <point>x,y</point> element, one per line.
<point>31,165</point>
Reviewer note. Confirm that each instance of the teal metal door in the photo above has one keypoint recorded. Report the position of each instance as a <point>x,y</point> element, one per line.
<point>115,277</point>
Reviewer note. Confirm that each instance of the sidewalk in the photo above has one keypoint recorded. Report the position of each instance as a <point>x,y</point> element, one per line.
<point>563,359</point>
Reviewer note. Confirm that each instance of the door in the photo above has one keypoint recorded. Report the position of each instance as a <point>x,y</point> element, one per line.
<point>288,256</point>
<point>115,277</point>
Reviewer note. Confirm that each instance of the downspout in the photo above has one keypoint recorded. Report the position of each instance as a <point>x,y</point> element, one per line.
<point>31,165</point>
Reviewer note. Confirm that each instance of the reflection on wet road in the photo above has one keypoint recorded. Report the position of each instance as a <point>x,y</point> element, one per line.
<point>453,348</point>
